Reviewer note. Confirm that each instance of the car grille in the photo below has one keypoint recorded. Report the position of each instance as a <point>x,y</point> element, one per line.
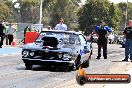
<point>48,55</point>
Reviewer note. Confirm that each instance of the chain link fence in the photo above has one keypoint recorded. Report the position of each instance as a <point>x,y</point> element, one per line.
<point>19,34</point>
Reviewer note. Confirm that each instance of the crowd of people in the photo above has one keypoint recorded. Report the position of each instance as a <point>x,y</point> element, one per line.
<point>102,31</point>
<point>6,32</point>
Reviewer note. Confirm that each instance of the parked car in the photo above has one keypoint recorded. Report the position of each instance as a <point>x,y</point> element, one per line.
<point>122,41</point>
<point>57,48</point>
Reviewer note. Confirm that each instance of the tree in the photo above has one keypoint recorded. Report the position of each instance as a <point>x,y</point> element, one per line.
<point>4,11</point>
<point>114,16</point>
<point>66,9</point>
<point>14,14</point>
<point>122,8</point>
<point>95,10</point>
<point>29,10</point>
<point>47,10</point>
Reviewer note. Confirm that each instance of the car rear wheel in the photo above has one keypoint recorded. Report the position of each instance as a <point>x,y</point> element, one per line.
<point>72,68</point>
<point>110,42</point>
<point>28,66</point>
<point>123,45</point>
<point>69,68</point>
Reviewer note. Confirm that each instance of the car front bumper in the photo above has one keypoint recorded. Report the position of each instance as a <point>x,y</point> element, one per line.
<point>47,62</point>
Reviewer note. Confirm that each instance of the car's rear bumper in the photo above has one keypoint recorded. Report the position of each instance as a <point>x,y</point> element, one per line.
<point>47,62</point>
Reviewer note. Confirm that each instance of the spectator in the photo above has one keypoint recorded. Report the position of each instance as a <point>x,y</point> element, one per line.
<point>128,45</point>
<point>27,29</point>
<point>91,37</point>
<point>61,25</point>
<point>5,32</point>
<point>10,33</point>
<point>102,31</point>
<point>1,34</point>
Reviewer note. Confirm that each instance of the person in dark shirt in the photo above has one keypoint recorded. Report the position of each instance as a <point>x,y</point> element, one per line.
<point>128,45</point>
<point>1,34</point>
<point>102,31</point>
<point>91,37</point>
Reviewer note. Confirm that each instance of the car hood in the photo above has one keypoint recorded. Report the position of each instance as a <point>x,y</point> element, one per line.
<point>60,48</point>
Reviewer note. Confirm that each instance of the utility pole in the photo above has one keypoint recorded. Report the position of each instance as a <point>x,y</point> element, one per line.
<point>126,14</point>
<point>40,12</point>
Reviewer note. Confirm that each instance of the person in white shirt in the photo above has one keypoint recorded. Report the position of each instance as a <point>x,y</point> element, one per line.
<point>10,33</point>
<point>61,25</point>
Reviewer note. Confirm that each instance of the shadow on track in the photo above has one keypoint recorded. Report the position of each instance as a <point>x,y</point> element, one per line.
<point>47,68</point>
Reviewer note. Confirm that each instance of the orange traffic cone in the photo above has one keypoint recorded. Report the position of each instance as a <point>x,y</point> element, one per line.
<point>13,43</point>
<point>81,72</point>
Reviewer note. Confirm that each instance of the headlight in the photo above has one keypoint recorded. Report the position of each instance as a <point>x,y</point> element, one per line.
<point>32,54</point>
<point>60,55</point>
<point>121,38</point>
<point>25,53</point>
<point>66,56</point>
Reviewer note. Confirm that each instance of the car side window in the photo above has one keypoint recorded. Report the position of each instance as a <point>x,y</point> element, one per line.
<point>82,39</point>
<point>77,41</point>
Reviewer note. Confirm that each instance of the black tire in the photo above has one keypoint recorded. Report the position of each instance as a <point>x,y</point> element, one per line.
<point>123,45</point>
<point>72,68</point>
<point>28,66</point>
<point>69,68</point>
<point>110,42</point>
<point>81,80</point>
<point>118,42</point>
<point>78,61</point>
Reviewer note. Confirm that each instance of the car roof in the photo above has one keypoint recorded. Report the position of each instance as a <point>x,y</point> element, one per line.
<point>61,31</point>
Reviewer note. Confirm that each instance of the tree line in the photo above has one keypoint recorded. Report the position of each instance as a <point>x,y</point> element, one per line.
<point>76,16</point>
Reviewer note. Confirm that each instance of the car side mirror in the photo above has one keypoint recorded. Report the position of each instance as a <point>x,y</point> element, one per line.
<point>87,41</point>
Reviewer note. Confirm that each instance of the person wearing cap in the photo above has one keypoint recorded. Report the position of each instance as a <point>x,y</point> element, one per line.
<point>61,25</point>
<point>102,31</point>
<point>128,45</point>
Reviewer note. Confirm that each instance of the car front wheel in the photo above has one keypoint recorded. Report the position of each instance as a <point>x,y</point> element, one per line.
<point>123,45</point>
<point>73,67</point>
<point>28,66</point>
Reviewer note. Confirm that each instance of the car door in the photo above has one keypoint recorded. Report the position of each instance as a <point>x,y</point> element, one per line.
<point>83,47</point>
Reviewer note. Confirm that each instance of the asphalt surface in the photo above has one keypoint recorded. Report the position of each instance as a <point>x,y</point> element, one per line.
<point>14,75</point>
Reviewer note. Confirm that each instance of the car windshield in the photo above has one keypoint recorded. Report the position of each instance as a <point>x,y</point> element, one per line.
<point>65,37</point>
